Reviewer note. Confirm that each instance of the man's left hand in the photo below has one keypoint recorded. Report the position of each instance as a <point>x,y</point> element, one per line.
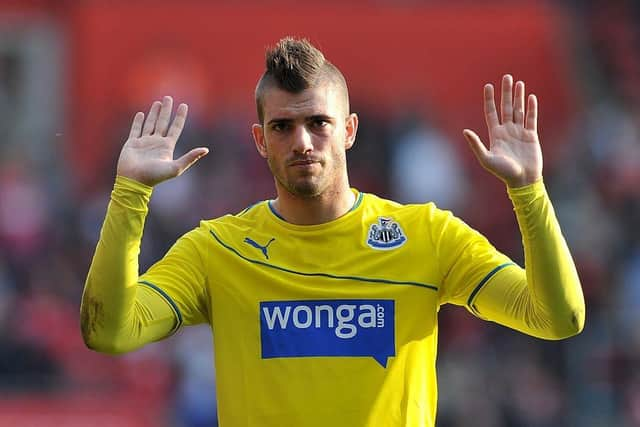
<point>514,153</point>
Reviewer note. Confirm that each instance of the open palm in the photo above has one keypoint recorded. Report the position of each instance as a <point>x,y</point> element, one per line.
<point>514,153</point>
<point>147,156</point>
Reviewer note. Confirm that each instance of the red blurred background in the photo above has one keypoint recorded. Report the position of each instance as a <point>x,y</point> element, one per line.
<point>74,73</point>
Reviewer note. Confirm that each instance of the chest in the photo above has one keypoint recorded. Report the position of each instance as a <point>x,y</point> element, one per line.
<point>322,288</point>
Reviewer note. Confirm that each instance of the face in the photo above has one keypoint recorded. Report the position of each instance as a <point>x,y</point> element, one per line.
<point>304,138</point>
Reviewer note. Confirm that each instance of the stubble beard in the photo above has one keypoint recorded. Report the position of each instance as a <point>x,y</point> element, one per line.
<point>310,186</point>
<point>307,187</point>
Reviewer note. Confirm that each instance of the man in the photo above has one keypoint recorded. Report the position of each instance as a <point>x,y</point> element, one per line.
<point>323,302</point>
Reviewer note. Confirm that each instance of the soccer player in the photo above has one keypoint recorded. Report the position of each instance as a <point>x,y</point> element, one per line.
<point>323,302</point>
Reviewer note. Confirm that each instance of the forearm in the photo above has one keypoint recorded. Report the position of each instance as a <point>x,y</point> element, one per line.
<point>545,301</point>
<point>117,314</point>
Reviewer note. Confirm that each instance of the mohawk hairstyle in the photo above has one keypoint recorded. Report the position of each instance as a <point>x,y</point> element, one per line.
<point>294,65</point>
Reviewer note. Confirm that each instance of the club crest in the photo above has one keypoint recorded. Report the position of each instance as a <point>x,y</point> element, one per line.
<point>385,235</point>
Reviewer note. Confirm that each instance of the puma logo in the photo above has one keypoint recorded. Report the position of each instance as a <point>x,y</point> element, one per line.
<point>256,245</point>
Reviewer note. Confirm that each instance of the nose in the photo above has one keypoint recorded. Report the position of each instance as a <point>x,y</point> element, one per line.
<point>302,140</point>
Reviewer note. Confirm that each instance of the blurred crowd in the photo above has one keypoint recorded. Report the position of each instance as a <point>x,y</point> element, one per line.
<point>488,375</point>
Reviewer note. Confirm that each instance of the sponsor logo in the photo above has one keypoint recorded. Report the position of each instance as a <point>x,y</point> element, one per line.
<point>386,234</point>
<point>347,328</point>
<point>256,245</point>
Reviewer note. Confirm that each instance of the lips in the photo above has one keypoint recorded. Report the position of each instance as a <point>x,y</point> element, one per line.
<point>303,162</point>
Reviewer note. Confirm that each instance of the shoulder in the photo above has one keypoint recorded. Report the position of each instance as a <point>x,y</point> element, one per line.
<point>208,235</point>
<point>421,218</point>
<point>376,205</point>
<point>238,223</point>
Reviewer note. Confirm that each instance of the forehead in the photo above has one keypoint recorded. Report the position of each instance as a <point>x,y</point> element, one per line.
<point>322,100</point>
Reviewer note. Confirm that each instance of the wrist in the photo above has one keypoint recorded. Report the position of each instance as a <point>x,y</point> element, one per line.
<point>522,196</point>
<point>130,192</point>
<point>522,181</point>
<point>133,184</point>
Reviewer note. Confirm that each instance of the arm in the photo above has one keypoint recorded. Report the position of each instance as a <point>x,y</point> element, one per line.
<point>545,301</point>
<point>117,314</point>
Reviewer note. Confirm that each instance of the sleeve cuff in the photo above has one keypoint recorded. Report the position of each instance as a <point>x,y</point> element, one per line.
<point>521,196</point>
<point>131,194</point>
<point>133,185</point>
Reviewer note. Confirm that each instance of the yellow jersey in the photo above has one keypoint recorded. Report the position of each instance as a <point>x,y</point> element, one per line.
<point>326,325</point>
<point>332,324</point>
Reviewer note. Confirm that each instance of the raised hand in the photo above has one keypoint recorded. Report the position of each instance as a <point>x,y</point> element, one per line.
<point>514,153</point>
<point>147,156</point>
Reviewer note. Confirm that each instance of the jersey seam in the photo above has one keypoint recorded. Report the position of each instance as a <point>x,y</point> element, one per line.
<point>206,276</point>
<point>458,257</point>
<point>248,208</point>
<point>168,299</point>
<point>482,283</point>
<point>328,275</point>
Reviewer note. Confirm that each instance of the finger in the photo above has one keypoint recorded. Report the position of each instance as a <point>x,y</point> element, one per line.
<point>178,122</point>
<point>477,146</point>
<point>136,126</point>
<point>152,117</point>
<point>188,159</point>
<point>518,104</point>
<point>532,113</point>
<point>490,113</point>
<point>506,101</point>
<point>165,116</point>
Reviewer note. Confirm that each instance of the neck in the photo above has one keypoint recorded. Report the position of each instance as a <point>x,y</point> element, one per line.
<point>326,207</point>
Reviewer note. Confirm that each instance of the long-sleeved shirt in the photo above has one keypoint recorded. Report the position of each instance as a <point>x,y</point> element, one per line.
<point>328,324</point>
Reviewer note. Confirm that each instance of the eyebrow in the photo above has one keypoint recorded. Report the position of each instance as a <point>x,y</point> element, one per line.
<point>279,120</point>
<point>309,118</point>
<point>324,117</point>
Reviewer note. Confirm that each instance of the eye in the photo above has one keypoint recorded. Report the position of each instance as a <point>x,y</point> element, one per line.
<point>319,123</point>
<point>279,126</point>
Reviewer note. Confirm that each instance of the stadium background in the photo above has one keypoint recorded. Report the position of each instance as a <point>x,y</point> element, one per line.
<point>72,73</point>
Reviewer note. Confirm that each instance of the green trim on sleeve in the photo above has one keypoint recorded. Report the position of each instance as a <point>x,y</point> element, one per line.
<point>173,305</point>
<point>482,283</point>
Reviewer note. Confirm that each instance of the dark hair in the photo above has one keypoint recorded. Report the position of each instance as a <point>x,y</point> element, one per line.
<point>294,65</point>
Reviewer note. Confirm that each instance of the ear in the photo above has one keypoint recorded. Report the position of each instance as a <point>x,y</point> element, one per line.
<point>351,130</point>
<point>258,137</point>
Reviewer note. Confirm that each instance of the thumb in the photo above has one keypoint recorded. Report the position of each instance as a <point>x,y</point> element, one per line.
<point>476,145</point>
<point>190,158</point>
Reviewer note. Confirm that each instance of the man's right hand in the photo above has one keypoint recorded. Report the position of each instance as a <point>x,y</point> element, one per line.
<point>147,156</point>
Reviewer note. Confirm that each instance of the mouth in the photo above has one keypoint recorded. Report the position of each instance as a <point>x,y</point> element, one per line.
<point>303,162</point>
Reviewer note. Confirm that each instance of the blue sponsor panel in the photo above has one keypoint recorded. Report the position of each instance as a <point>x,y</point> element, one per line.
<point>352,328</point>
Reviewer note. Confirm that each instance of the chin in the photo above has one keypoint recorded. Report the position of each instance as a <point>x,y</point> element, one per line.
<point>306,189</point>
